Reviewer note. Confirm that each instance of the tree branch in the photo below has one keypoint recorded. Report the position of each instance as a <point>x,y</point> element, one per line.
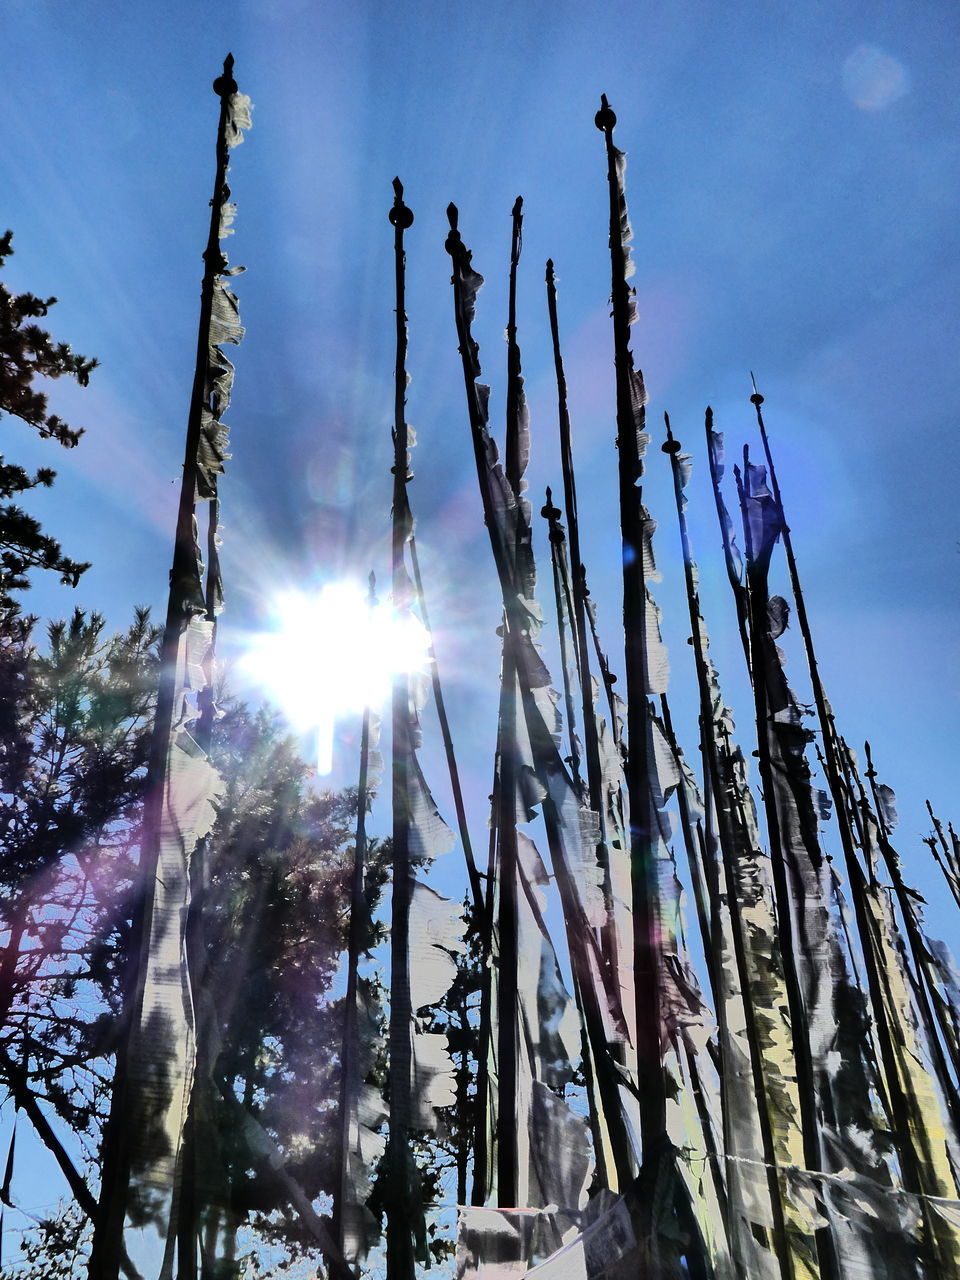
<point>27,1101</point>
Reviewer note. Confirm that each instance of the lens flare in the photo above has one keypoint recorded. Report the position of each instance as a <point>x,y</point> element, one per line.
<point>331,653</point>
<point>873,79</point>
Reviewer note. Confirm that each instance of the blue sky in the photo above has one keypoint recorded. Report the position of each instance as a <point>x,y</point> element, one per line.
<point>793,185</point>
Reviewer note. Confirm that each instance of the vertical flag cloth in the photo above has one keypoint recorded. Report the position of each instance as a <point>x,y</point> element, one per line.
<point>426,929</point>
<point>529,732</point>
<point>756,1042</point>
<point>143,1168</point>
<point>573,829</point>
<point>644,657</point>
<point>926,1140</point>
<point>844,1130</point>
<point>362,1109</point>
<point>683,1233</point>
<point>849,1117</point>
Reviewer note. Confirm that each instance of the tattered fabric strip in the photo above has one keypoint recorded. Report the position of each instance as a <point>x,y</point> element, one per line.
<point>848,1133</point>
<point>184,785</point>
<point>162,1041</point>
<point>686,1025</point>
<point>768,1230</point>
<point>427,930</point>
<point>927,1132</point>
<point>573,830</point>
<point>554,1140</point>
<point>508,522</point>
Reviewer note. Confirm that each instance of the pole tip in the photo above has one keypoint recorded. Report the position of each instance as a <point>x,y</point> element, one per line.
<point>605,118</point>
<point>454,242</point>
<point>549,511</point>
<point>709,417</point>
<point>669,445</point>
<point>225,85</point>
<point>399,215</point>
<point>517,207</point>
<point>756,398</point>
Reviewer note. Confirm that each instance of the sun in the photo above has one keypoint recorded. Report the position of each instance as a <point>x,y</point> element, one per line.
<point>330,653</point>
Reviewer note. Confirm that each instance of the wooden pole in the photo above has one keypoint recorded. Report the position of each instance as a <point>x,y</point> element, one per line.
<point>186,597</point>
<point>630,421</point>
<point>400,1249</point>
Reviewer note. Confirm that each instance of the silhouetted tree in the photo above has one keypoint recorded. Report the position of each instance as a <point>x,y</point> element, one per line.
<point>274,920</point>
<point>458,1014</point>
<point>27,354</point>
<point>73,746</point>
<point>57,1248</point>
<point>74,729</point>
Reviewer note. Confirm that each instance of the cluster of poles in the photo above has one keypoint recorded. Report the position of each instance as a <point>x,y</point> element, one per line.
<point>792,1112</point>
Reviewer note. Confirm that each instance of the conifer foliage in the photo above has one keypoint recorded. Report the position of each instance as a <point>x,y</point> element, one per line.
<point>269,1028</point>
<point>76,716</point>
<point>276,902</point>
<point>28,353</point>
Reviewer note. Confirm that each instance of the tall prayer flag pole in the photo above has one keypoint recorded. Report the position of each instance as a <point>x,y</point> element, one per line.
<point>142,1157</point>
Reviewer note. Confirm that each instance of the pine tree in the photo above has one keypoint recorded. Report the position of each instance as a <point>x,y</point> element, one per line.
<point>72,754</point>
<point>56,1249</point>
<point>270,924</point>
<point>28,353</point>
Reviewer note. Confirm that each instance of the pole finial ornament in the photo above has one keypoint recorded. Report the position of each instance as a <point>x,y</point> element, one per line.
<point>669,445</point>
<point>453,239</point>
<point>225,86</point>
<point>549,511</point>
<point>400,215</point>
<point>605,118</point>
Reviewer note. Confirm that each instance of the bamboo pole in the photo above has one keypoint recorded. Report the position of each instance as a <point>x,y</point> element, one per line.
<point>630,419</point>
<point>473,874</point>
<point>577,591</point>
<point>400,1249</point>
<point>481,1152</point>
<point>563,602</point>
<point>658,1151</point>
<point>720,792</point>
<point>507,1033</point>
<point>949,862</point>
<point>186,595</point>
<point>937,1024</point>
<point>349,1057</point>
<point>838,775</point>
<point>916,1165</point>
<point>578,612</point>
<point>758,638</point>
